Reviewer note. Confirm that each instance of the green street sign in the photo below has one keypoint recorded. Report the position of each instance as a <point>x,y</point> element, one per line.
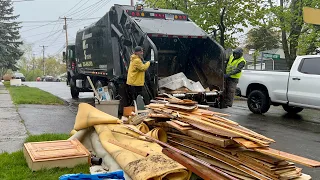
<point>272,56</point>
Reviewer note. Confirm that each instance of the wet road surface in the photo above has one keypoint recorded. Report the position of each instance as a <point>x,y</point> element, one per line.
<point>298,134</point>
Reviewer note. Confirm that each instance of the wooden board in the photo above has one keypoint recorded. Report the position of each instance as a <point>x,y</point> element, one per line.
<point>209,138</point>
<point>181,107</point>
<point>225,160</point>
<point>288,157</point>
<point>181,123</point>
<point>184,130</point>
<point>247,144</point>
<point>263,157</point>
<point>193,166</point>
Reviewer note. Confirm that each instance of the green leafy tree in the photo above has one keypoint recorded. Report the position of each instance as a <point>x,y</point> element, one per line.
<point>288,16</point>
<point>9,37</point>
<point>262,38</point>
<point>220,18</point>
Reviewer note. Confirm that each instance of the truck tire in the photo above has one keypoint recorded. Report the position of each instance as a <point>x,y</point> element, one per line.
<point>292,109</point>
<point>74,90</point>
<point>258,102</point>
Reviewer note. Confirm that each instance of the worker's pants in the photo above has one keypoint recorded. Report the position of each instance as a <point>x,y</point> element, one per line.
<point>135,91</point>
<point>230,90</point>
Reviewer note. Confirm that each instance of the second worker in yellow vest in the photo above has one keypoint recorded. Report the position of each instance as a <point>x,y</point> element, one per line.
<point>233,73</point>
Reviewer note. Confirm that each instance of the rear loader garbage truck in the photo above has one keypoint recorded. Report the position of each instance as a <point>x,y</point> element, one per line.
<point>184,55</point>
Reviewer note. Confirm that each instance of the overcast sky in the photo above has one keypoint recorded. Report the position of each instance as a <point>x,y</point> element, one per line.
<point>42,26</point>
<point>48,29</point>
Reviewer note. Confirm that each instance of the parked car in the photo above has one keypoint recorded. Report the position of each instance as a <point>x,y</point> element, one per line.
<point>294,90</point>
<point>19,76</point>
<point>50,79</point>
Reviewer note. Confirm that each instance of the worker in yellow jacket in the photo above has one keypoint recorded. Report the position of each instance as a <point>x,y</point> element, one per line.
<point>136,72</point>
<point>233,73</point>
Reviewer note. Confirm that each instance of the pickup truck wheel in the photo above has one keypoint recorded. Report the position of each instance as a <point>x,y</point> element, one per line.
<point>292,109</point>
<point>258,102</point>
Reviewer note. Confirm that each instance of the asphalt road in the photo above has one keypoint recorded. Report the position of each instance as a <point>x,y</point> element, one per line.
<point>297,134</point>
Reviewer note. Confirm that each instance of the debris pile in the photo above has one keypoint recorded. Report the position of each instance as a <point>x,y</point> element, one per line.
<point>214,147</point>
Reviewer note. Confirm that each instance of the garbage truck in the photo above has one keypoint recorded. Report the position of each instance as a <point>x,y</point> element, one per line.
<point>179,48</point>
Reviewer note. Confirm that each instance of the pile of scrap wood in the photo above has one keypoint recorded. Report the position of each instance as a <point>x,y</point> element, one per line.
<point>215,147</point>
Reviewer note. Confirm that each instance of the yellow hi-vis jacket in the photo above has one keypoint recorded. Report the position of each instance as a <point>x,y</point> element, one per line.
<point>136,72</point>
<point>232,65</point>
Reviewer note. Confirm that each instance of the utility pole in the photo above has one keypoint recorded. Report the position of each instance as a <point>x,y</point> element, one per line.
<point>66,29</point>
<point>132,3</point>
<point>43,48</point>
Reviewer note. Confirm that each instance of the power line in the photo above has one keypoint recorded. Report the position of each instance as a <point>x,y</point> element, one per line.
<point>52,21</point>
<point>85,8</point>
<point>93,10</point>
<point>78,7</point>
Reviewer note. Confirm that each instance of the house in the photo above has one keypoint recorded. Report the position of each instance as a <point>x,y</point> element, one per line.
<point>268,63</point>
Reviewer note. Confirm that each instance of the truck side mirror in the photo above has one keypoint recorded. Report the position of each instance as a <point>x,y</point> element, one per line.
<point>64,55</point>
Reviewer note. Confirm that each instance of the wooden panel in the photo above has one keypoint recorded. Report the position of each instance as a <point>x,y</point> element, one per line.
<point>53,150</point>
<point>289,157</point>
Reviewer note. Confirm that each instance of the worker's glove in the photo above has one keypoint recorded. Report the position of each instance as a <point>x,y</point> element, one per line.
<point>226,76</point>
<point>151,61</point>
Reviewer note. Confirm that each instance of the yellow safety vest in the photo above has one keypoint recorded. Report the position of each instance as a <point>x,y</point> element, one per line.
<point>233,65</point>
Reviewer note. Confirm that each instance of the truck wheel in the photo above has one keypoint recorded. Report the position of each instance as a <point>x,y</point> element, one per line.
<point>74,90</point>
<point>258,102</point>
<point>292,109</point>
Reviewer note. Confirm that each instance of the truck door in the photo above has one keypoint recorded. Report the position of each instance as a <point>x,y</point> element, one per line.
<point>304,86</point>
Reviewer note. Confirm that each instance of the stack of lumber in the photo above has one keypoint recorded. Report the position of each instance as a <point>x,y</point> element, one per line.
<point>215,141</point>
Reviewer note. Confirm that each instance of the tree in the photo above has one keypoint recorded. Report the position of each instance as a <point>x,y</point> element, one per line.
<point>289,18</point>
<point>220,18</point>
<point>9,36</point>
<point>262,38</point>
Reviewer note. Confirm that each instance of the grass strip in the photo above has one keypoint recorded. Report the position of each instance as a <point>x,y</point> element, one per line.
<point>31,95</point>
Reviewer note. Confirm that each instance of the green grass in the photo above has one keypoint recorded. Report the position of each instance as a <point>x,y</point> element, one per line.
<point>30,95</point>
<point>14,166</point>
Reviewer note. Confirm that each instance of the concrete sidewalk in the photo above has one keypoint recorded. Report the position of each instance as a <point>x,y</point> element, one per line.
<point>12,130</point>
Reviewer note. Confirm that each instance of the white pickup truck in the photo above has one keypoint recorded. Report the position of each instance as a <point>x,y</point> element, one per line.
<point>294,90</point>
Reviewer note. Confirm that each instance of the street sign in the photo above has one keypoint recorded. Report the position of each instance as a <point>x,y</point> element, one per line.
<point>272,56</point>
<point>311,15</point>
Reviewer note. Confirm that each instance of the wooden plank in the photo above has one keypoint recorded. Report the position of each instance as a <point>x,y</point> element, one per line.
<point>181,107</point>
<point>154,115</point>
<point>129,148</point>
<point>304,177</point>
<point>263,157</point>
<point>182,153</point>
<point>247,144</point>
<point>184,130</point>
<point>222,165</point>
<point>181,123</point>
<point>193,166</point>
<point>226,128</point>
<point>288,157</point>
<point>226,160</point>
<point>209,138</point>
